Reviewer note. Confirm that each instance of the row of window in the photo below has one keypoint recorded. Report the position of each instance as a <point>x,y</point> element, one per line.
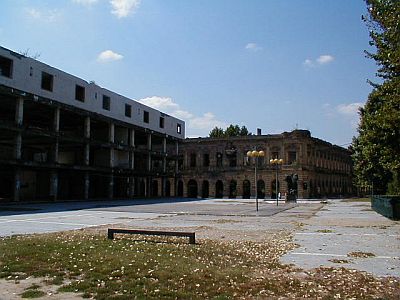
<point>6,66</point>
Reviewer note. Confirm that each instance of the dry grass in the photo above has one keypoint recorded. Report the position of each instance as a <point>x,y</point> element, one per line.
<point>125,268</point>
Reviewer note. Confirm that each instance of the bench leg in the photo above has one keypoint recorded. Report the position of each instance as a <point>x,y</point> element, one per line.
<point>110,234</point>
<point>192,239</point>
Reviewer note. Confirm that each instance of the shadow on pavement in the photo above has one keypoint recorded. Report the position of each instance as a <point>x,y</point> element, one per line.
<point>10,209</point>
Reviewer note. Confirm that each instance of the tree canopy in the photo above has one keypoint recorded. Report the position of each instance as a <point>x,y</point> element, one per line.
<point>231,130</point>
<point>376,150</point>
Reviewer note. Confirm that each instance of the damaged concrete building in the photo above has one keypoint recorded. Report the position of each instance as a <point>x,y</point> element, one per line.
<point>220,167</point>
<point>64,138</point>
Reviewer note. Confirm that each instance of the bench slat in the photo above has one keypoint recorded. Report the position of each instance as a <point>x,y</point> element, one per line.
<point>190,235</point>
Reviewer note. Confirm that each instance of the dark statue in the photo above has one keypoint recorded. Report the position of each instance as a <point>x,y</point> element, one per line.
<point>292,187</point>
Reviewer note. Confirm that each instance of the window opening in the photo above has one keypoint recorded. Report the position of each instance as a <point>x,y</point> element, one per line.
<point>145,116</point>
<point>128,110</point>
<point>106,102</point>
<point>47,81</point>
<point>6,65</point>
<point>80,93</point>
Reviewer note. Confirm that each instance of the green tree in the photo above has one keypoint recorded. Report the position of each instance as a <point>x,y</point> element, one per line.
<point>376,150</point>
<point>217,132</point>
<point>231,130</point>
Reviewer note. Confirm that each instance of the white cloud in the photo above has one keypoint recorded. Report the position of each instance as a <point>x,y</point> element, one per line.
<point>253,47</point>
<point>50,15</point>
<point>85,2</point>
<point>108,55</point>
<point>195,125</point>
<point>161,103</point>
<point>321,60</point>
<point>123,8</point>
<point>207,122</point>
<point>325,59</point>
<point>350,110</point>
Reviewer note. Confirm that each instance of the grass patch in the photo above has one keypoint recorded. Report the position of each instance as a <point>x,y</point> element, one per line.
<point>339,261</point>
<point>324,231</point>
<point>360,254</point>
<point>125,268</point>
<point>32,294</point>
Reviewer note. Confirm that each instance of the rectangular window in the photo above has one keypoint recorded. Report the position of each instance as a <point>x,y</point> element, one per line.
<point>145,116</point>
<point>161,122</point>
<point>292,157</point>
<point>206,160</point>
<point>275,155</point>
<point>6,65</point>
<point>106,102</point>
<point>80,93</point>
<point>179,128</point>
<point>128,110</point>
<point>47,81</point>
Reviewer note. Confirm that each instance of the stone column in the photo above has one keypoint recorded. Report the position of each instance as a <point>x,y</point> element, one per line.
<point>18,146</point>
<point>86,134</point>
<point>132,152</point>
<point>111,138</point>
<point>17,185</point>
<point>54,185</point>
<point>86,185</point>
<point>149,147</point>
<point>164,156</point>
<point>19,111</point>
<point>56,119</point>
<point>111,187</point>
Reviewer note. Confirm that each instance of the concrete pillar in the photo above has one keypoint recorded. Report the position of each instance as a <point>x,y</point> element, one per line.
<point>18,146</point>
<point>87,154</point>
<point>19,111</point>
<point>111,139</point>
<point>54,185</point>
<point>86,130</point>
<point>131,152</point>
<point>149,147</point>
<point>86,185</point>
<point>54,149</point>
<point>132,160</point>
<point>111,133</point>
<point>131,189</point>
<point>17,185</point>
<point>132,137</point>
<point>56,119</point>
<point>164,162</point>
<point>111,187</point>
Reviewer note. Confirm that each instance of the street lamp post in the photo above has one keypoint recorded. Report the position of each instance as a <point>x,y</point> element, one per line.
<point>276,162</point>
<point>255,154</point>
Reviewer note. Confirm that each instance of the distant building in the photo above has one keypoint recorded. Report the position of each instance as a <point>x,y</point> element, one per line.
<point>219,167</point>
<point>64,138</point>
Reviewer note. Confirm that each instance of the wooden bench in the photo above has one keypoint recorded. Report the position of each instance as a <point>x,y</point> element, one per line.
<point>190,235</point>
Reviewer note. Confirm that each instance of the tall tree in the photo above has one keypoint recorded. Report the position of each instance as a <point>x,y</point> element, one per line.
<point>217,132</point>
<point>231,130</point>
<point>377,147</point>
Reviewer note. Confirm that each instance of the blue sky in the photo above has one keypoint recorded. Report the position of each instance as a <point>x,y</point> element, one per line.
<point>274,65</point>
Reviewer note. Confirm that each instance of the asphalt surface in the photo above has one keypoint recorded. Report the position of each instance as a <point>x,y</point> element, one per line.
<point>334,234</point>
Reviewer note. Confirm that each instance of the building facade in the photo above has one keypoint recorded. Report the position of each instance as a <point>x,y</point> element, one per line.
<point>64,138</point>
<point>219,167</point>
